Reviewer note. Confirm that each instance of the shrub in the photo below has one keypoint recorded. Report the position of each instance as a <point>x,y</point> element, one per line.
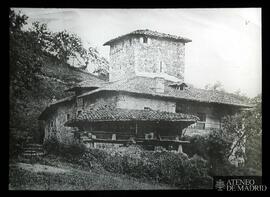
<point>52,146</point>
<point>167,167</point>
<point>17,139</point>
<point>214,148</point>
<point>70,152</point>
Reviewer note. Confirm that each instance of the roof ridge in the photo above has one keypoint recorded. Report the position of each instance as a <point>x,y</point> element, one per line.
<point>149,33</point>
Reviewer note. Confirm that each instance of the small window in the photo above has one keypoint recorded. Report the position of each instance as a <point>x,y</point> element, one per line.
<point>130,42</point>
<point>201,123</point>
<point>160,67</point>
<point>51,123</point>
<point>79,102</point>
<point>147,108</point>
<point>79,112</point>
<point>68,116</point>
<point>144,39</point>
<point>202,117</point>
<point>181,108</point>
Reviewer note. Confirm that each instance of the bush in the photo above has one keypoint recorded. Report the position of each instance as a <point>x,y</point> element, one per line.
<point>52,146</point>
<point>167,167</point>
<point>17,139</point>
<point>71,152</point>
<point>214,148</point>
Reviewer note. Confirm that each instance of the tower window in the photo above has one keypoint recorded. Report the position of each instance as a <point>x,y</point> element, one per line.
<point>68,116</point>
<point>160,67</point>
<point>145,39</point>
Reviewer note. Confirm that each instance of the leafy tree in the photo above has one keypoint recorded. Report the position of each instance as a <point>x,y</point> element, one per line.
<point>245,128</point>
<point>25,56</point>
<point>67,45</point>
<point>217,86</point>
<point>25,64</point>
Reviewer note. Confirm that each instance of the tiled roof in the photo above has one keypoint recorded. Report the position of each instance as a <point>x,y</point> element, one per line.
<point>93,83</point>
<point>146,86</point>
<point>108,113</point>
<point>148,32</point>
<point>51,106</point>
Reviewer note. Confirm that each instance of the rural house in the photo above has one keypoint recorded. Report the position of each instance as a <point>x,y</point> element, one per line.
<point>145,101</point>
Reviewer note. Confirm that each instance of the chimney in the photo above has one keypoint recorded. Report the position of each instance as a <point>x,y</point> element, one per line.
<point>159,84</point>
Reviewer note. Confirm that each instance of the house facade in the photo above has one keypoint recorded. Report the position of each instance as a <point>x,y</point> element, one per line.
<point>146,95</point>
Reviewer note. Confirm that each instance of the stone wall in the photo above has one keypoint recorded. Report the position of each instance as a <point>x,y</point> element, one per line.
<point>135,102</point>
<point>160,55</point>
<point>121,60</point>
<point>54,126</point>
<point>131,56</point>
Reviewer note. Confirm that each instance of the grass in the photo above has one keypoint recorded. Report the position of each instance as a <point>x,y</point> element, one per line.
<point>74,178</point>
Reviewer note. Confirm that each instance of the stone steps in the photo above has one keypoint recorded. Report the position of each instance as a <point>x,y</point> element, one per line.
<point>33,150</point>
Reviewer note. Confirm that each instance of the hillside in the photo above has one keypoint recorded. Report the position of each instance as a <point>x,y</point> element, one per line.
<point>55,77</point>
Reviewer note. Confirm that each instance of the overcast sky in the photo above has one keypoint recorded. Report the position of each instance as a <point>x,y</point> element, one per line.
<point>225,47</point>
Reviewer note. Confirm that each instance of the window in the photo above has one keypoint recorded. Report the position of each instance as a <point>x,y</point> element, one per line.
<point>68,116</point>
<point>201,123</point>
<point>130,42</point>
<point>160,67</point>
<point>181,108</point>
<point>147,108</point>
<point>144,39</point>
<point>79,102</point>
<point>79,112</point>
<point>202,117</point>
<point>51,124</point>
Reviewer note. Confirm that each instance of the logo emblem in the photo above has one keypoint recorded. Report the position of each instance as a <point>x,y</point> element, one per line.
<point>220,185</point>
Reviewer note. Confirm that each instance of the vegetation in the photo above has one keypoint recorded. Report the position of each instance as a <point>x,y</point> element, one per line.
<point>239,132</point>
<point>51,173</point>
<point>38,59</point>
<point>40,69</point>
<point>177,170</point>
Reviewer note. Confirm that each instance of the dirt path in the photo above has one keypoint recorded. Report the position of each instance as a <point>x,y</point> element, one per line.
<point>25,176</point>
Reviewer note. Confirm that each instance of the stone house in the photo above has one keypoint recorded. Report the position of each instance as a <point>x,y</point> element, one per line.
<point>146,97</point>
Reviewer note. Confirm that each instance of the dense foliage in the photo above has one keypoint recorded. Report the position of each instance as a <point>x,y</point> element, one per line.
<point>39,72</point>
<point>164,167</point>
<point>240,137</point>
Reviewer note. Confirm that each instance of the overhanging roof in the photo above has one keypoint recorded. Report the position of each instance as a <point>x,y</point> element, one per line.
<point>147,32</point>
<point>146,86</point>
<point>108,113</point>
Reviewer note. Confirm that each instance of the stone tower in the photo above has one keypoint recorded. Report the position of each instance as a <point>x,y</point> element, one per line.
<point>147,53</point>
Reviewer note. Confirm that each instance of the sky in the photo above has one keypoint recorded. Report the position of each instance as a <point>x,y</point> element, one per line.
<point>225,47</point>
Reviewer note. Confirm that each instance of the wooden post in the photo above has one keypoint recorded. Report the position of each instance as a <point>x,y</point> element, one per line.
<point>180,148</point>
<point>113,136</point>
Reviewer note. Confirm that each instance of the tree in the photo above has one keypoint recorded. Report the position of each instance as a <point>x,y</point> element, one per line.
<point>25,56</point>
<point>217,86</point>
<point>25,64</point>
<point>66,46</point>
<point>244,127</point>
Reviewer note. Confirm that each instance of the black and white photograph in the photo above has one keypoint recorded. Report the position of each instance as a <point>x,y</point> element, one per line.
<point>135,99</point>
